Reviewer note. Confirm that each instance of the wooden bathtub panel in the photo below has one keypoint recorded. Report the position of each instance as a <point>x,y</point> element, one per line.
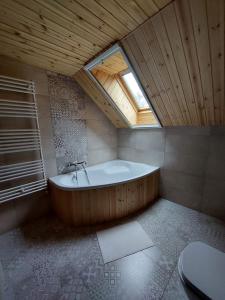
<point>104,204</point>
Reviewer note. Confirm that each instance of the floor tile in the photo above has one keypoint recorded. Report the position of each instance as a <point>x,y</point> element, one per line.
<point>176,290</point>
<point>133,277</point>
<point>48,260</point>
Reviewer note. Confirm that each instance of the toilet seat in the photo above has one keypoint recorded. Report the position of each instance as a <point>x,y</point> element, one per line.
<point>203,268</point>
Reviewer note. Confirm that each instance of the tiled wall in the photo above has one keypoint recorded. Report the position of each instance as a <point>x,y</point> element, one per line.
<point>192,163</point>
<point>68,120</point>
<point>71,128</point>
<point>80,129</point>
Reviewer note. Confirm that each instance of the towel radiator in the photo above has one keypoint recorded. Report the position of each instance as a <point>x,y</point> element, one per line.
<point>26,176</point>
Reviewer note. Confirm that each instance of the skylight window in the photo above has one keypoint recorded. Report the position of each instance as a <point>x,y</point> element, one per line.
<point>136,92</point>
<point>122,95</point>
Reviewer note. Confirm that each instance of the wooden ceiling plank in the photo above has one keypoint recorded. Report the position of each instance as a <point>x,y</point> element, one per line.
<point>154,46</point>
<point>132,8</point>
<point>8,32</point>
<point>31,38</point>
<point>33,34</point>
<point>46,17</point>
<point>138,46</point>
<point>161,3</point>
<point>7,16</point>
<point>148,6</point>
<point>146,52</point>
<point>140,67</point>
<point>51,60</point>
<point>164,43</point>
<point>37,50</point>
<point>84,27</point>
<point>187,34</point>
<point>156,104</point>
<point>73,19</point>
<point>105,16</point>
<point>39,61</point>
<point>216,36</point>
<point>85,14</point>
<point>46,24</point>
<point>119,13</point>
<point>199,19</point>
<point>171,25</point>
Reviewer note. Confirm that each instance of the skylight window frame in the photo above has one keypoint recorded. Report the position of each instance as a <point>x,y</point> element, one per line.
<point>88,68</point>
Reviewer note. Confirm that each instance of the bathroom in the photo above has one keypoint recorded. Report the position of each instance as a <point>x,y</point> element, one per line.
<point>112,149</point>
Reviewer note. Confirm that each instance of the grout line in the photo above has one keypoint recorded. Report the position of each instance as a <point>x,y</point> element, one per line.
<point>168,281</point>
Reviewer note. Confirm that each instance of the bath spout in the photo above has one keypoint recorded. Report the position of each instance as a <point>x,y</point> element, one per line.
<point>86,173</point>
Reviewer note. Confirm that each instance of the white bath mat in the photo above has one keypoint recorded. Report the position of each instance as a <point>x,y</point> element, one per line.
<point>122,240</point>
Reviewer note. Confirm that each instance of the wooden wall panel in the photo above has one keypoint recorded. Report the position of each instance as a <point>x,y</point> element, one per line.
<point>63,35</point>
<point>179,57</point>
<point>216,37</point>
<point>146,118</point>
<point>95,93</point>
<point>112,86</point>
<point>113,64</point>
<point>146,78</point>
<point>184,20</point>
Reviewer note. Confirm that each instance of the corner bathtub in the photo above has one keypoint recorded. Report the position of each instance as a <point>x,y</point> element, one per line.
<point>112,190</point>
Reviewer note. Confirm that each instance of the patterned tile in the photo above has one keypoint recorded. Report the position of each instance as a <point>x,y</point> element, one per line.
<point>68,120</point>
<point>176,290</point>
<point>132,277</point>
<point>49,260</point>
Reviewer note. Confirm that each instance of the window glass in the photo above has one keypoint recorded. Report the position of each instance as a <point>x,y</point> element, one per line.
<point>136,92</point>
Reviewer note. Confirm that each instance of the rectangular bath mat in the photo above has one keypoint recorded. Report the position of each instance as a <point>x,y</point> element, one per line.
<point>122,240</point>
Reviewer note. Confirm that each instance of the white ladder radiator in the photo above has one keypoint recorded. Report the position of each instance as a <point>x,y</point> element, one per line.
<point>19,175</point>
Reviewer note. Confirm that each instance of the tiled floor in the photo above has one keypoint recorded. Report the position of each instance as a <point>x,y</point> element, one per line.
<point>48,260</point>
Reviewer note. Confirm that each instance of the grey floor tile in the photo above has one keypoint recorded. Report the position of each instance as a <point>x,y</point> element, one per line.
<point>175,290</point>
<point>49,260</point>
<point>133,277</point>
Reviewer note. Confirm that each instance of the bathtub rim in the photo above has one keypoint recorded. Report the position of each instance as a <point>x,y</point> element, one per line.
<point>51,180</point>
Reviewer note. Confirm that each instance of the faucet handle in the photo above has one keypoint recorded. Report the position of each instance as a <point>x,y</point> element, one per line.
<point>76,163</point>
<point>69,164</point>
<point>82,162</point>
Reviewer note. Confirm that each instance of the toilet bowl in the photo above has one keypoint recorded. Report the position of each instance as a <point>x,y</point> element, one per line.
<point>203,269</point>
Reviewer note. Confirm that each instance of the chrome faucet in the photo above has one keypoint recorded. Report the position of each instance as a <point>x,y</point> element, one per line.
<point>77,163</point>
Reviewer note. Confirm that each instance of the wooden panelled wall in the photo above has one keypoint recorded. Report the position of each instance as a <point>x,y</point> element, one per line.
<point>179,57</point>
<point>113,64</point>
<point>112,85</point>
<point>99,98</point>
<point>62,35</point>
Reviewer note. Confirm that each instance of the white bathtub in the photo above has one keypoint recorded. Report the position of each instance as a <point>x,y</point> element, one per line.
<point>102,175</point>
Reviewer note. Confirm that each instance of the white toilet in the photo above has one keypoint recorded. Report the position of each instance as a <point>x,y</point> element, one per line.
<point>203,269</point>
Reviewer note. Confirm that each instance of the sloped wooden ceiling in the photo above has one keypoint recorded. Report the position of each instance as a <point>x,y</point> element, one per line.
<point>62,35</point>
<point>179,57</point>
